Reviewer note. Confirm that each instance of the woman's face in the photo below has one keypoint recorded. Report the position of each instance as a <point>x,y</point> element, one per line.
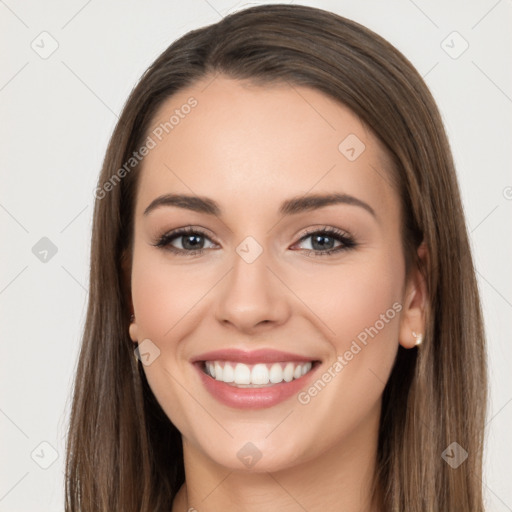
<point>284,175</point>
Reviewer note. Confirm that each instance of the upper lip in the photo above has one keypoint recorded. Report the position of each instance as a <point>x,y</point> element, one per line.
<point>250,357</point>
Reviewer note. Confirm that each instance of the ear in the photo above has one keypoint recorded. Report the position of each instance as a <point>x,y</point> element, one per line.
<point>415,302</point>
<point>126,284</point>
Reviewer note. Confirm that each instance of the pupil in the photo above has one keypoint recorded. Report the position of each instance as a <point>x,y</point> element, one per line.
<point>194,245</point>
<point>322,244</point>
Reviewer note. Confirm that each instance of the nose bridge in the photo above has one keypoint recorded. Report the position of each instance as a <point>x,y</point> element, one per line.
<point>251,294</point>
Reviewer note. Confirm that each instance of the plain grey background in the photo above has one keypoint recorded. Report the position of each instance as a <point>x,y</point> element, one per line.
<point>67,69</point>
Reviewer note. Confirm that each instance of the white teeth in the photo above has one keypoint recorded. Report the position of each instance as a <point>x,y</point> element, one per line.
<point>288,372</point>
<point>218,371</point>
<point>228,374</point>
<point>276,373</point>
<point>242,374</point>
<point>258,375</point>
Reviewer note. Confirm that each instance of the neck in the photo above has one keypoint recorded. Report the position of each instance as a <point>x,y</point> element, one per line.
<point>341,478</point>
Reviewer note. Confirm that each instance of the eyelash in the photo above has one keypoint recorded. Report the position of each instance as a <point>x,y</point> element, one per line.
<point>164,242</point>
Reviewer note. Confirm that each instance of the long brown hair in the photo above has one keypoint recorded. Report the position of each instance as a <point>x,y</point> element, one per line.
<point>123,453</point>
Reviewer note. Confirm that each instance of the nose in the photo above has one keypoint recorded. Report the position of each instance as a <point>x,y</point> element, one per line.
<point>252,298</point>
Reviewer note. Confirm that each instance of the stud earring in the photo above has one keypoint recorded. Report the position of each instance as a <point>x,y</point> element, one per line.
<point>418,337</point>
<point>132,318</point>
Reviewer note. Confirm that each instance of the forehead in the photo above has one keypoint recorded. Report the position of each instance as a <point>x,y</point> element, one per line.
<point>254,144</point>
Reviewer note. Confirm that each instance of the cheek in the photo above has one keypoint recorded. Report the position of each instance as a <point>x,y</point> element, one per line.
<point>367,308</point>
<point>163,294</point>
<point>165,299</point>
<point>360,305</point>
<point>357,298</point>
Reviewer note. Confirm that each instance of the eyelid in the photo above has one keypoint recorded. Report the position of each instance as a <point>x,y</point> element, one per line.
<point>345,238</point>
<point>164,241</point>
<point>324,229</point>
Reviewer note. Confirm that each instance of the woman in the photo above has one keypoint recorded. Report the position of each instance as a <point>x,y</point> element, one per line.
<point>279,235</point>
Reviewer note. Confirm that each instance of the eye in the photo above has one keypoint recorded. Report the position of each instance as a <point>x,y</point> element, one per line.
<point>191,240</point>
<point>323,241</point>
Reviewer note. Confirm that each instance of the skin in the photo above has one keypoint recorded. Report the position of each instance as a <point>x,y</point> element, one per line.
<point>249,148</point>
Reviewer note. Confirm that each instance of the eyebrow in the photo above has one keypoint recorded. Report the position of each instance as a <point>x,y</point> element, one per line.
<point>291,206</point>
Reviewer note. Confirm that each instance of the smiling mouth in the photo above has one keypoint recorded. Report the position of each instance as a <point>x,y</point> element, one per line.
<point>258,375</point>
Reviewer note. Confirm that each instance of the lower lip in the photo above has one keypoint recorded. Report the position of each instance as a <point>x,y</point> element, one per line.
<point>253,398</point>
